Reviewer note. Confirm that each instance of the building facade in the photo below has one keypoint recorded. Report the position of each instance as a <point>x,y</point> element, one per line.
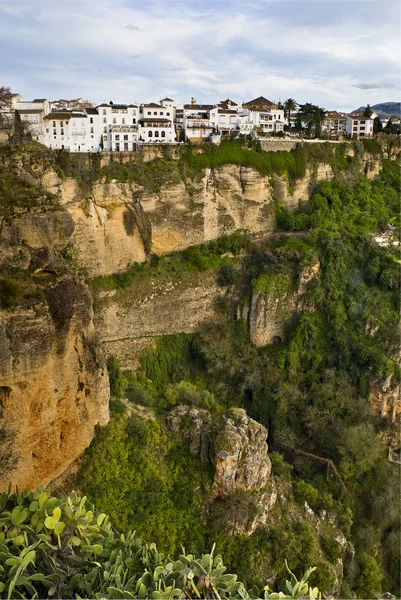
<point>359,126</point>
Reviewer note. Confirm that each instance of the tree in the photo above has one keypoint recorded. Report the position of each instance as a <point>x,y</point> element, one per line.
<point>377,125</point>
<point>16,130</point>
<point>289,105</point>
<point>313,117</point>
<point>367,112</point>
<point>5,98</point>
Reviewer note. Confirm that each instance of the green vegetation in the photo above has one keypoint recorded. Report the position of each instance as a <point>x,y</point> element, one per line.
<point>61,548</point>
<point>217,253</point>
<point>312,391</point>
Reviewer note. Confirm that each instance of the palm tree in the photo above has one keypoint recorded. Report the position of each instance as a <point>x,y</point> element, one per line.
<point>289,105</point>
<point>313,117</point>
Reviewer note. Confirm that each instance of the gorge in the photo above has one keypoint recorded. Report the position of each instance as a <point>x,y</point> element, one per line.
<point>237,295</point>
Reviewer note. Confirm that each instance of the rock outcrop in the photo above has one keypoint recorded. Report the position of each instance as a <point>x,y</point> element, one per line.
<point>235,444</point>
<point>53,380</point>
<point>243,491</point>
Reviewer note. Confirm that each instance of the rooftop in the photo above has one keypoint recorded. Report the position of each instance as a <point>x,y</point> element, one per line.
<point>260,102</point>
<point>152,105</point>
<point>167,100</point>
<point>199,106</point>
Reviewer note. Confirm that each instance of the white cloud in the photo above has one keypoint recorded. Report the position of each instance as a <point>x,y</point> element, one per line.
<point>132,52</point>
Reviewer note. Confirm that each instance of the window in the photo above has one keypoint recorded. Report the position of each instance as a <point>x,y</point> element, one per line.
<point>133,121</point>
<point>362,128</point>
<point>54,132</point>
<point>355,128</point>
<point>363,122</point>
<point>117,137</point>
<point>91,120</point>
<point>105,137</point>
<point>149,113</point>
<point>270,118</point>
<point>91,129</point>
<point>163,134</point>
<point>104,120</point>
<point>104,111</point>
<point>149,134</point>
<point>47,131</point>
<point>155,112</point>
<point>168,114</point>
<point>61,124</point>
<point>126,146</point>
<point>161,114</point>
<point>54,123</point>
<point>118,147</point>
<point>104,129</point>
<point>123,121</point>
<point>126,137</point>
<point>62,132</point>
<point>114,120</point>
<point>156,134</point>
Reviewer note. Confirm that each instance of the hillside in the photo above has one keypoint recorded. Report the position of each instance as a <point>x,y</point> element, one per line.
<point>384,109</point>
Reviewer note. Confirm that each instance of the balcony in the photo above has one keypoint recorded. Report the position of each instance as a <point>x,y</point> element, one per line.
<point>199,124</point>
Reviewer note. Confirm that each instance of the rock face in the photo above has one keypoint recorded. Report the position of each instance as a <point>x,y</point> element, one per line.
<point>53,380</point>
<point>128,320</point>
<point>235,444</point>
<point>273,302</point>
<point>243,492</point>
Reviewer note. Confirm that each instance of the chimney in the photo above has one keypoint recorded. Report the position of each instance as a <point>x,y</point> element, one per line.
<point>193,101</point>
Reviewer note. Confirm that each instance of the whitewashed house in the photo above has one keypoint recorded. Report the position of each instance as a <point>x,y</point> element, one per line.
<point>66,130</point>
<point>119,126</point>
<point>156,123</point>
<point>335,124</point>
<point>360,126</point>
<point>199,123</point>
<point>264,115</point>
<point>33,113</point>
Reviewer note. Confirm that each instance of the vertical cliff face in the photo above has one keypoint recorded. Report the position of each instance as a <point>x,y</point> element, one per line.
<point>53,380</point>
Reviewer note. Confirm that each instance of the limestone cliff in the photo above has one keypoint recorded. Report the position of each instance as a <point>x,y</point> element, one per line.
<point>53,381</point>
<point>162,304</point>
<point>118,223</point>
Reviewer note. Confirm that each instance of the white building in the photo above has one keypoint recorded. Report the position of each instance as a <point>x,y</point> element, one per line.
<point>118,126</point>
<point>70,131</point>
<point>335,124</point>
<point>360,126</point>
<point>265,115</point>
<point>198,121</point>
<point>33,113</point>
<point>156,123</point>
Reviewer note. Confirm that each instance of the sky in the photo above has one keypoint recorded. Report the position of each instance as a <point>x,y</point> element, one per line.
<point>338,54</point>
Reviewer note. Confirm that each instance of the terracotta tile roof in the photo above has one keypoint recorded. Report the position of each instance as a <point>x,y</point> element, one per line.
<point>359,117</point>
<point>58,115</point>
<point>334,115</point>
<point>91,111</point>
<point>260,102</point>
<point>226,111</point>
<point>152,105</point>
<point>39,100</point>
<point>27,111</point>
<point>167,100</point>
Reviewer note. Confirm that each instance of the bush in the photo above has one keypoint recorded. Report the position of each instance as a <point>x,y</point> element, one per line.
<point>331,548</point>
<point>227,275</point>
<point>8,293</point>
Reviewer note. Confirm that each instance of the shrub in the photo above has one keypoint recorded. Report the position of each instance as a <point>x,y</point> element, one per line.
<point>8,293</point>
<point>227,275</point>
<point>331,548</point>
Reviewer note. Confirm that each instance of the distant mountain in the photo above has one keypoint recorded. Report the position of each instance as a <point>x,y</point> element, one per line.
<point>384,109</point>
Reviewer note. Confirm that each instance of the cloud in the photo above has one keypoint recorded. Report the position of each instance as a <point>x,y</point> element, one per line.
<point>375,86</point>
<point>308,50</point>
